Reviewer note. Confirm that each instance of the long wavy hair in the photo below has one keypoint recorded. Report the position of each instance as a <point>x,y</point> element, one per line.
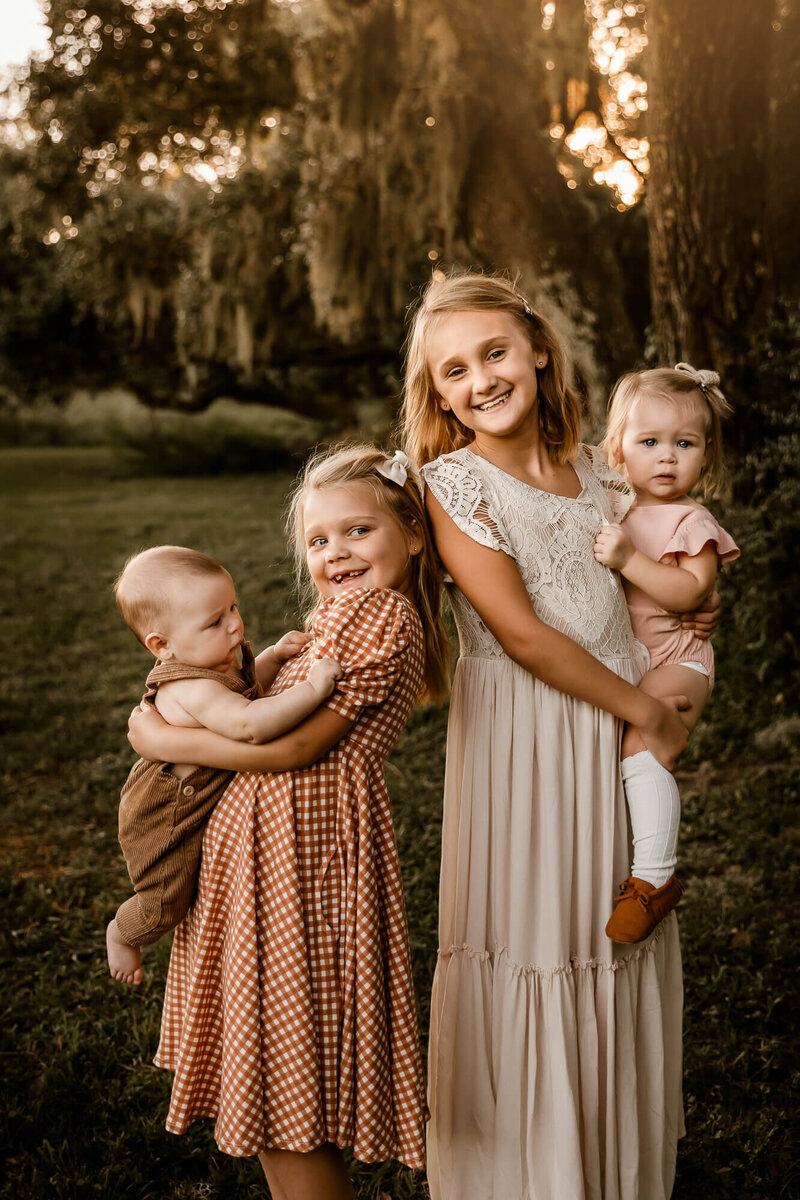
<point>674,387</point>
<point>359,463</point>
<point>427,431</point>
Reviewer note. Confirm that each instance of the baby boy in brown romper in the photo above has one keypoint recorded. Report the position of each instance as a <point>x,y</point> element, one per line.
<point>182,606</point>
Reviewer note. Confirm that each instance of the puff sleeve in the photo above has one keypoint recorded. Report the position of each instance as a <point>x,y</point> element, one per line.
<point>618,495</point>
<point>367,632</point>
<point>465,497</point>
<point>695,531</point>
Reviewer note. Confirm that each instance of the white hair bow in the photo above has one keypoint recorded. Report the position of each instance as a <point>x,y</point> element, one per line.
<point>703,379</point>
<point>398,468</point>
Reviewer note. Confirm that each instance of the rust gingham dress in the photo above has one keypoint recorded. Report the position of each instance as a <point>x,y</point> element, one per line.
<point>289,1013</point>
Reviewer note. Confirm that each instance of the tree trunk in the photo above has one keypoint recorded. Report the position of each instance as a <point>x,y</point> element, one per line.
<point>715,226</point>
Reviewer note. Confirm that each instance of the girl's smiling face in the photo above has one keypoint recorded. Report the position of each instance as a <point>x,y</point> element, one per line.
<point>483,369</point>
<point>352,540</point>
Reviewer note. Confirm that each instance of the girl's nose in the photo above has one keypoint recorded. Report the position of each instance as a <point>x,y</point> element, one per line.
<point>482,380</point>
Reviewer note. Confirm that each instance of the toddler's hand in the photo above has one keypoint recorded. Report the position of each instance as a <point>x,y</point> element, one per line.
<point>290,644</point>
<point>323,676</point>
<point>613,547</point>
<point>144,726</point>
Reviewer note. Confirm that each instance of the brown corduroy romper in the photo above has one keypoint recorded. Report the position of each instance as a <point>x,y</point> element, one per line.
<point>161,820</point>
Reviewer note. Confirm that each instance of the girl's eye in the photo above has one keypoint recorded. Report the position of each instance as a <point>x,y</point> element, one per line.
<point>497,353</point>
<point>315,543</point>
<point>649,441</point>
<point>683,444</point>
<point>454,372</point>
<point>358,530</point>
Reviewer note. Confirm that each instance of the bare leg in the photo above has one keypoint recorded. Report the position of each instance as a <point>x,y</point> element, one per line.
<point>670,680</point>
<point>319,1175</point>
<point>124,961</point>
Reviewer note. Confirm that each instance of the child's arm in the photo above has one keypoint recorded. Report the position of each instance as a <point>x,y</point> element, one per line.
<point>680,589</point>
<point>219,710</point>
<point>270,661</point>
<point>152,738</point>
<point>493,585</point>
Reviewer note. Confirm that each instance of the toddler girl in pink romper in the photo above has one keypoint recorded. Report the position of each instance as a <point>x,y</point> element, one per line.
<point>664,432</point>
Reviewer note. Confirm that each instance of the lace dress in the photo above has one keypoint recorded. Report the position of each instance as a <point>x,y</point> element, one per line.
<point>555,1056</point>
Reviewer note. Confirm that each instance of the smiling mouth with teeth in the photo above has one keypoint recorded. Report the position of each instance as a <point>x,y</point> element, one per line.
<point>348,575</point>
<point>494,402</point>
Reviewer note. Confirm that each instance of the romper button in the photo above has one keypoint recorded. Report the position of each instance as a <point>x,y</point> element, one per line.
<point>188,790</point>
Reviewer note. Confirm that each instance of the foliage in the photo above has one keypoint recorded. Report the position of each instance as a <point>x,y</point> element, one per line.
<point>84,1108</point>
<point>137,130</point>
<point>226,436</point>
<point>212,187</point>
<point>759,689</point>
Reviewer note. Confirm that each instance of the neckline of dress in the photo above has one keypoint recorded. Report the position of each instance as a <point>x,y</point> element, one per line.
<point>581,496</point>
<point>644,507</point>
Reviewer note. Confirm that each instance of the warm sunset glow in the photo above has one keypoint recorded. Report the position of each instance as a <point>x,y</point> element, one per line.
<point>606,143</point>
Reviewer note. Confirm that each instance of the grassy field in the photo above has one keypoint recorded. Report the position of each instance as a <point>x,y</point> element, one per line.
<point>83,1106</point>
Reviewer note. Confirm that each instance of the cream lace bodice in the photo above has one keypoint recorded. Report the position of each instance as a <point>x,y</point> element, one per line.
<point>551,540</point>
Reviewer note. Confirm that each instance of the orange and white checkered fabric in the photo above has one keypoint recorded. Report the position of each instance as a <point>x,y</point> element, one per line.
<point>289,1011</point>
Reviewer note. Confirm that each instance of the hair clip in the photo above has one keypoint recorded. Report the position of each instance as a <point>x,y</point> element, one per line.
<point>703,379</point>
<point>398,468</point>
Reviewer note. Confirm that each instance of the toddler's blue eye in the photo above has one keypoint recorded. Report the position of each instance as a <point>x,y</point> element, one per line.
<point>649,441</point>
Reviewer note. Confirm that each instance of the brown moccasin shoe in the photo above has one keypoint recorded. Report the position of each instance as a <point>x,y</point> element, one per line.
<point>639,907</point>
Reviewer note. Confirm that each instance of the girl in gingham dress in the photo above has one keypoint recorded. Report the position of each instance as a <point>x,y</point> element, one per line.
<point>289,1013</point>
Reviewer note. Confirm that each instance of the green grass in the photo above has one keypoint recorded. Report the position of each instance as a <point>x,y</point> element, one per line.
<point>83,1107</point>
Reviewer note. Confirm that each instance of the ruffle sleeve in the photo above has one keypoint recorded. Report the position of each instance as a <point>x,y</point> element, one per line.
<point>617,491</point>
<point>462,493</point>
<point>367,632</point>
<point>695,530</point>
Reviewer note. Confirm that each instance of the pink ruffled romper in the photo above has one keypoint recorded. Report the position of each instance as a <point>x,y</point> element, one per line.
<point>662,532</point>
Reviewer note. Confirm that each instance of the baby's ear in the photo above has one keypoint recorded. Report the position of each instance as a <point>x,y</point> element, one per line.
<point>158,646</point>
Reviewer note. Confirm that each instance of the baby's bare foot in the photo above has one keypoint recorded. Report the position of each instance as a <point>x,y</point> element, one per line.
<point>124,961</point>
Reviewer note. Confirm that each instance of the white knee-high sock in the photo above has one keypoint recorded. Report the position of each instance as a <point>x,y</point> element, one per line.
<point>654,804</point>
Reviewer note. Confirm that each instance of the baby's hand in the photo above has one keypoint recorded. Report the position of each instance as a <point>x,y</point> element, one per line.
<point>613,547</point>
<point>323,676</point>
<point>290,644</point>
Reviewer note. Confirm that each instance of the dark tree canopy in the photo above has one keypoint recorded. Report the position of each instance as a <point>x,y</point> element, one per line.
<point>244,195</point>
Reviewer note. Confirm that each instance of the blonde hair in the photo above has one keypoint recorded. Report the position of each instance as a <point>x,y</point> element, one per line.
<point>357,463</point>
<point>141,588</point>
<point>427,431</point>
<point>672,386</point>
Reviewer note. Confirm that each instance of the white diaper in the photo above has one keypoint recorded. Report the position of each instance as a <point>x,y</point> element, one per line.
<point>696,666</point>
